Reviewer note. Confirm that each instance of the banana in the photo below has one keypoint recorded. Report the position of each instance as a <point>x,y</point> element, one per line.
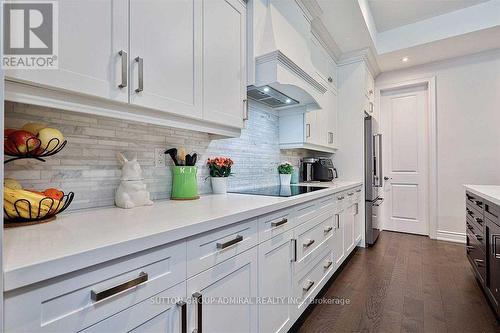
<point>11,212</point>
<point>24,199</point>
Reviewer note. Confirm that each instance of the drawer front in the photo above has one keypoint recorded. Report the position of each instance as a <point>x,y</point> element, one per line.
<point>163,312</point>
<point>309,283</point>
<point>475,217</point>
<point>311,236</point>
<point>304,212</point>
<point>77,300</point>
<point>211,248</point>
<point>341,200</point>
<point>351,196</point>
<point>492,212</point>
<point>357,195</point>
<point>474,201</point>
<point>477,234</point>
<point>476,256</point>
<point>274,224</point>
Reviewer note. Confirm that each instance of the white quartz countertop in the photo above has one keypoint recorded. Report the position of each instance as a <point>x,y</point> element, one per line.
<point>488,192</point>
<point>80,239</point>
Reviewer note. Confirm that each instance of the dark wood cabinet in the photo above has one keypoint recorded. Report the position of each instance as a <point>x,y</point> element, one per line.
<point>483,245</point>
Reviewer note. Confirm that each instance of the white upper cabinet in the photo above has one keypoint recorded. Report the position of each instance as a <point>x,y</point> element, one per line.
<point>165,40</point>
<point>224,57</point>
<point>323,63</point>
<point>91,35</point>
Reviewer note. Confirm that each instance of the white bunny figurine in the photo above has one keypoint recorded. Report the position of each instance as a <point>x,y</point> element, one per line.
<point>132,190</point>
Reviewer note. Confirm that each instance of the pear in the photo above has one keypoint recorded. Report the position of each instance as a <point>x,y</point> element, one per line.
<point>34,127</point>
<point>46,135</point>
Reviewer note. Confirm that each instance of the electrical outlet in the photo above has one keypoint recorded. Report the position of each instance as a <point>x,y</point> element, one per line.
<point>159,158</point>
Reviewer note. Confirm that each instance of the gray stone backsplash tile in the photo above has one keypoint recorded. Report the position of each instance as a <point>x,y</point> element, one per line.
<point>88,165</point>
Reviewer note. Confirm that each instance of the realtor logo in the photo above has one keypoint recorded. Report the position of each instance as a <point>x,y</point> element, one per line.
<point>30,35</point>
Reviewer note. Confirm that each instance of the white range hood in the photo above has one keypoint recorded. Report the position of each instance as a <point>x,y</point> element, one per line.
<point>280,47</point>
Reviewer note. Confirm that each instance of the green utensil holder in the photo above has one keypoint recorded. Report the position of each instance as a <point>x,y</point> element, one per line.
<point>184,183</point>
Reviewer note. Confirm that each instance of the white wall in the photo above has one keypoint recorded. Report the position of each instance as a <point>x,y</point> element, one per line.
<point>468,127</point>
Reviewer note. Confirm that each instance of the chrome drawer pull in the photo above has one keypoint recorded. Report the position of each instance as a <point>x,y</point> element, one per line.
<point>350,194</point>
<point>478,220</point>
<point>294,241</point>
<point>328,229</point>
<point>123,55</point>
<point>98,296</point>
<point>479,237</point>
<point>308,286</point>
<point>183,307</point>
<point>238,239</point>
<point>277,224</point>
<point>479,203</point>
<point>340,198</point>
<point>359,190</point>
<point>309,243</point>
<point>197,299</point>
<point>327,264</point>
<point>479,262</point>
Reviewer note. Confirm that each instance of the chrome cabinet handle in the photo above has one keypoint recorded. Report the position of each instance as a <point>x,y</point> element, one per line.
<point>294,243</point>
<point>337,220</point>
<point>479,220</point>
<point>308,243</point>
<point>140,61</point>
<point>277,224</point>
<point>123,55</point>
<point>328,229</point>
<point>358,190</point>
<point>470,212</point>
<point>350,194</point>
<point>330,137</point>
<point>479,237</point>
<point>479,203</point>
<point>340,198</point>
<point>197,298</point>
<point>183,307</point>
<point>308,285</point>
<point>237,239</point>
<point>308,131</point>
<point>494,246</point>
<point>99,296</point>
<point>327,264</point>
<point>330,79</point>
<point>479,262</point>
<point>469,248</point>
<point>356,210</point>
<point>245,109</point>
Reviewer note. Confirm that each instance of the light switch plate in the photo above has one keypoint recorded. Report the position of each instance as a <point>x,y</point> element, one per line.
<point>159,158</point>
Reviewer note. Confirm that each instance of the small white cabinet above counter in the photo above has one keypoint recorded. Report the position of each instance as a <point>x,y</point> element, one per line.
<point>173,63</point>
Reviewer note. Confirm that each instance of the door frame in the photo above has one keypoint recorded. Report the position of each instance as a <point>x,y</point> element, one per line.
<point>430,82</point>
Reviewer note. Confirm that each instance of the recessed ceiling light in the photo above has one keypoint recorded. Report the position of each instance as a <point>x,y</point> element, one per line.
<point>405,59</point>
<point>266,89</point>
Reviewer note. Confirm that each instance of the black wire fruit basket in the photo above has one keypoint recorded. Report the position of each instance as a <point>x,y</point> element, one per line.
<point>32,149</point>
<point>23,211</point>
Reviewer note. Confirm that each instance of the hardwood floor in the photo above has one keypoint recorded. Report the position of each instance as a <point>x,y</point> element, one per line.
<point>405,283</point>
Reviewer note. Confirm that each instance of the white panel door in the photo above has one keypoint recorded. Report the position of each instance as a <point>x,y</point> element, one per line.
<point>232,281</point>
<point>348,219</point>
<point>166,37</point>
<point>405,160</point>
<point>338,239</point>
<point>275,281</point>
<point>91,35</point>
<point>224,58</point>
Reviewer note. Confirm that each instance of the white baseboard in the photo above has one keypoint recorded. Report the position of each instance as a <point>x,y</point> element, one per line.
<point>451,236</point>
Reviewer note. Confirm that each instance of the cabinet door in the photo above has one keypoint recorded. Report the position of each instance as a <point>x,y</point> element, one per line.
<point>338,239</point>
<point>91,35</point>
<point>275,282</point>
<point>165,37</point>
<point>312,130</point>
<point>348,229</point>
<point>224,57</point>
<point>330,120</point>
<point>164,312</point>
<point>234,282</point>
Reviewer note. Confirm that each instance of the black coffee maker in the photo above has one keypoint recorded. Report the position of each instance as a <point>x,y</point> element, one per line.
<point>324,170</point>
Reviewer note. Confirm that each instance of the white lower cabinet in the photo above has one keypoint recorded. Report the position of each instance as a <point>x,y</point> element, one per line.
<point>227,292</point>
<point>258,275</point>
<point>163,312</point>
<point>275,283</point>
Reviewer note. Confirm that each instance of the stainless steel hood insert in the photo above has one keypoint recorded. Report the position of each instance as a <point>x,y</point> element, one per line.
<point>270,97</point>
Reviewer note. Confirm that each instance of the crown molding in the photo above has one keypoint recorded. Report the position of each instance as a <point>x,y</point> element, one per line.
<point>366,55</point>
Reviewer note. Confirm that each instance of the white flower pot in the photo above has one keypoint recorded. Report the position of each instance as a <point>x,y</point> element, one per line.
<point>285,179</point>
<point>219,185</point>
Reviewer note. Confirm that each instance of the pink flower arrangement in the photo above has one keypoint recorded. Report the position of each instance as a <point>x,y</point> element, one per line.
<point>220,166</point>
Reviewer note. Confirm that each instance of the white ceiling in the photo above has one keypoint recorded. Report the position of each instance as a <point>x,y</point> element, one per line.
<point>390,14</point>
<point>422,30</point>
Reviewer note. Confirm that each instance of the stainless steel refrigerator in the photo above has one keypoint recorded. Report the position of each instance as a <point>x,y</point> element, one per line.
<point>373,179</point>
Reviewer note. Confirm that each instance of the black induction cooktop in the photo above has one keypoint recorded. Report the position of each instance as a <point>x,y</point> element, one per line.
<point>280,191</point>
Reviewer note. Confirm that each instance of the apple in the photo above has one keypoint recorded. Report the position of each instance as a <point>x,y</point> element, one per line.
<point>46,135</point>
<point>22,141</point>
<point>34,127</point>
<point>12,184</point>
<point>8,146</point>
